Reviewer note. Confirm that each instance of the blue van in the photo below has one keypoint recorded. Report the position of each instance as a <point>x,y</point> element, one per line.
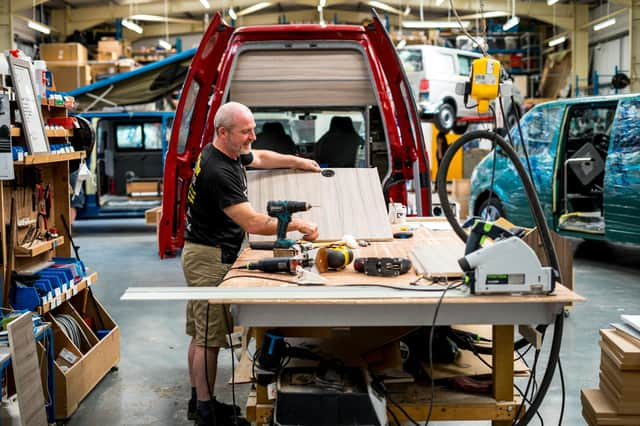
<point>129,154</point>
<point>584,155</point>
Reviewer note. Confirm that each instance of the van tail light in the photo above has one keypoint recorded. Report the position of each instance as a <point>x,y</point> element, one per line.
<point>424,90</point>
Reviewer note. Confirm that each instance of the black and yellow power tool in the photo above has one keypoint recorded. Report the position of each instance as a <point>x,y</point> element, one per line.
<point>334,257</point>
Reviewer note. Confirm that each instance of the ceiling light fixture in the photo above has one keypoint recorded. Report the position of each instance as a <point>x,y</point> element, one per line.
<point>382,6</point>
<point>150,18</point>
<point>156,18</point>
<point>483,15</point>
<point>205,4</point>
<point>38,27</point>
<point>251,9</point>
<point>556,41</point>
<point>434,24</point>
<point>232,14</point>
<point>164,44</point>
<point>132,26</point>
<point>604,24</point>
<point>514,20</point>
<point>552,2</point>
<point>439,2</point>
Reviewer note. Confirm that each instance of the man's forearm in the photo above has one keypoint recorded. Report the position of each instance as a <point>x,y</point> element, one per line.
<point>273,160</point>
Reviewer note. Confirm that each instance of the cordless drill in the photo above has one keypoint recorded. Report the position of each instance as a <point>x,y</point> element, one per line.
<point>282,211</point>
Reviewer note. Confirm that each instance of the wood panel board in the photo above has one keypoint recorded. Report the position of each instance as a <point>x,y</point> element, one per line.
<point>26,370</point>
<point>350,202</point>
<point>625,354</point>
<point>276,294</point>
<point>598,409</point>
<point>438,262</point>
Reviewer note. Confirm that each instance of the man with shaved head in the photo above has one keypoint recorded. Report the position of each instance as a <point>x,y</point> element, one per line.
<point>218,216</point>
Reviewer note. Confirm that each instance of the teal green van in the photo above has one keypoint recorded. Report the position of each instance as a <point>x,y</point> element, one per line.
<point>584,155</point>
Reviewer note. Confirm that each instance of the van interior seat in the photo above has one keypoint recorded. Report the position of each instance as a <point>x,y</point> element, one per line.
<point>338,147</point>
<point>274,138</point>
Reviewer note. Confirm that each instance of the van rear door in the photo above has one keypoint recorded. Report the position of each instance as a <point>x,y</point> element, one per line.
<point>186,135</point>
<point>413,146</point>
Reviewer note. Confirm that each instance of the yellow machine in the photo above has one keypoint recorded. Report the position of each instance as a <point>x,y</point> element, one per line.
<point>485,82</point>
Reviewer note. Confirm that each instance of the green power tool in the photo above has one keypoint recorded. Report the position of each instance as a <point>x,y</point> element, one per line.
<point>282,210</point>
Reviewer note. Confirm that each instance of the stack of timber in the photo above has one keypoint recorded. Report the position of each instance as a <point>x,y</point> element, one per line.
<point>617,400</point>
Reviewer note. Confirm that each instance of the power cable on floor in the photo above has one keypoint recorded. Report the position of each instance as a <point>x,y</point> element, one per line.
<point>431,333</point>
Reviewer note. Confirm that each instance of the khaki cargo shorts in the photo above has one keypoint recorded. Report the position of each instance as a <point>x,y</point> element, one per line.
<point>202,267</point>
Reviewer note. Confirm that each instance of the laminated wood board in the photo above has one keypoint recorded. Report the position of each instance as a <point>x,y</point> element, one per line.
<point>627,381</point>
<point>350,202</point>
<point>597,409</point>
<point>26,370</point>
<point>439,262</point>
<point>625,354</point>
<point>622,403</point>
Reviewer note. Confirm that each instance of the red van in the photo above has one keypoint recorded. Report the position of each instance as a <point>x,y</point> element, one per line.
<point>302,82</point>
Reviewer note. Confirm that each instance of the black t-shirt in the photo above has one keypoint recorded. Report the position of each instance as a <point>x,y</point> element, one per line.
<point>218,182</point>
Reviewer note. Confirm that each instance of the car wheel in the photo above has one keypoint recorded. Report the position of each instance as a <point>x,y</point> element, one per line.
<point>491,209</point>
<point>445,118</point>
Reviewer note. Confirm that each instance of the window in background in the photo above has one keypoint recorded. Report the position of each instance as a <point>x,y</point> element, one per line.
<point>129,136</point>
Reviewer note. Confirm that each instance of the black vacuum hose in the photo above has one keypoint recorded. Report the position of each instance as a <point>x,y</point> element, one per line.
<point>538,216</point>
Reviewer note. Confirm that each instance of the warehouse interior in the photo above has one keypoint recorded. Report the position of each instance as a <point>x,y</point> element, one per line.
<point>439,220</point>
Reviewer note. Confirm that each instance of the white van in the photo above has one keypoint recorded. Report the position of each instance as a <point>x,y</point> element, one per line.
<point>433,73</point>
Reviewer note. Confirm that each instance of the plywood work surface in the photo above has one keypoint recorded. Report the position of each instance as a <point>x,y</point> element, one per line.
<point>350,202</point>
<point>437,240</point>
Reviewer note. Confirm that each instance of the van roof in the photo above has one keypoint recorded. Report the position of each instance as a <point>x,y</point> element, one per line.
<point>300,28</point>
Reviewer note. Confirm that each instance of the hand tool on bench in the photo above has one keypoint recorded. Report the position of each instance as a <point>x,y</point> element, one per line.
<point>282,211</point>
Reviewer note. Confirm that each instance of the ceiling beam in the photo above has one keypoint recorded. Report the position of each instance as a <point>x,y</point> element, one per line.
<point>18,6</point>
<point>81,18</point>
<point>158,30</point>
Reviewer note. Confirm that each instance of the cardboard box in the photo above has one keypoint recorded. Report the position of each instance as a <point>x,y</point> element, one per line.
<point>152,216</point>
<point>107,56</point>
<point>69,77</point>
<point>103,68</point>
<point>110,45</point>
<point>70,53</point>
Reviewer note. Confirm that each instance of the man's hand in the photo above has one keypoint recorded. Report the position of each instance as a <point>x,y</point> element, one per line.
<point>309,230</point>
<point>308,164</point>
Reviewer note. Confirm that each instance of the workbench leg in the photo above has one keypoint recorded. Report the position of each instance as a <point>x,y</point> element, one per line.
<point>262,396</point>
<point>502,366</point>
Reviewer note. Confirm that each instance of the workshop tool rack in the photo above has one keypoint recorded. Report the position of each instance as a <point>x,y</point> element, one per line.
<point>36,203</point>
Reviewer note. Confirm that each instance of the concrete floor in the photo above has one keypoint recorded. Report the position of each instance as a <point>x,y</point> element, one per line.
<point>151,385</point>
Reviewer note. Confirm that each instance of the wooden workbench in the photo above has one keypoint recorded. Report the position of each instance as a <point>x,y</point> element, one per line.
<point>277,304</point>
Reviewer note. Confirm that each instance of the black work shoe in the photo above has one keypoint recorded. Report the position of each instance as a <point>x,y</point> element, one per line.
<point>225,410</point>
<point>209,420</point>
<point>192,409</point>
<point>230,421</point>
